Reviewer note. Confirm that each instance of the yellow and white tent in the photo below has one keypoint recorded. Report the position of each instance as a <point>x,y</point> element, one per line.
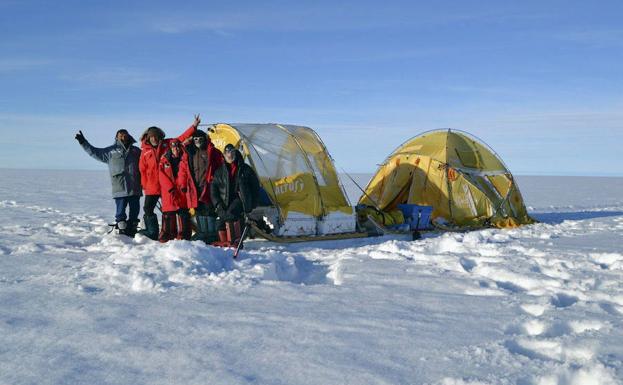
<point>464,181</point>
<point>296,173</point>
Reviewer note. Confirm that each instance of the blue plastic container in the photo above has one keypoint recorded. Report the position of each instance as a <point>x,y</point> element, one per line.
<point>418,217</point>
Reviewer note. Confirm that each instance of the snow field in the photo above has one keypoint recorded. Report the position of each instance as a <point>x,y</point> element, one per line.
<point>536,305</point>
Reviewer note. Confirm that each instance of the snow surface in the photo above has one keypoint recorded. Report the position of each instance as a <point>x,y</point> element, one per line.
<point>537,305</point>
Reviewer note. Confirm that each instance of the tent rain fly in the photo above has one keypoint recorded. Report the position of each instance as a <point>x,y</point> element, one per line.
<point>294,168</point>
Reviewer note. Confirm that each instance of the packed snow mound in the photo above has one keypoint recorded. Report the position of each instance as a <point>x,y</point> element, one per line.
<point>152,267</point>
<point>142,265</point>
<point>120,264</point>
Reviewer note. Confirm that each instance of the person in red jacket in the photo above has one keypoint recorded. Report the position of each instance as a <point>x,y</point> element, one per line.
<point>203,161</point>
<point>177,191</point>
<point>153,147</point>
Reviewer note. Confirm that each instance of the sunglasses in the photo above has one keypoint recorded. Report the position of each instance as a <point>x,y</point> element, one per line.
<point>174,144</point>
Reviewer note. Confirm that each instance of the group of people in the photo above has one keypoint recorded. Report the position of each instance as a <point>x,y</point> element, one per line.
<point>187,174</point>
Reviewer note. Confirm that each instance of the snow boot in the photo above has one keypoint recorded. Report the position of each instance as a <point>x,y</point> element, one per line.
<point>236,234</point>
<point>202,229</point>
<point>169,227</point>
<point>206,229</point>
<point>229,230</point>
<point>129,228</point>
<point>222,239</point>
<point>121,227</point>
<point>230,236</point>
<point>184,225</point>
<point>134,226</point>
<point>151,226</point>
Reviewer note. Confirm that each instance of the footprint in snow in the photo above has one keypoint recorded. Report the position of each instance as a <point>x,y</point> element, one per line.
<point>562,300</point>
<point>467,264</point>
<point>611,308</point>
<point>548,349</point>
<point>540,328</point>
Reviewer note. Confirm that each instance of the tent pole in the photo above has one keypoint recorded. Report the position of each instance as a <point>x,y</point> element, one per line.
<point>339,182</point>
<point>376,206</point>
<point>447,166</point>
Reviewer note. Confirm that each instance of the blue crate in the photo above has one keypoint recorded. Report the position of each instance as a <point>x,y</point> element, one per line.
<point>418,217</point>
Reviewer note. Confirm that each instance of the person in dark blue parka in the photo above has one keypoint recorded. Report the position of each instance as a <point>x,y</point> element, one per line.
<point>122,159</point>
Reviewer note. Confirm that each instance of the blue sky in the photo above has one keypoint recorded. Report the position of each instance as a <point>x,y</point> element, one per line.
<point>539,81</point>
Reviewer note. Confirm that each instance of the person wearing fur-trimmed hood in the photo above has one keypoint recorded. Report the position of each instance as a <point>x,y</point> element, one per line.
<point>234,191</point>
<point>122,158</point>
<point>154,145</point>
<point>203,161</point>
<point>178,192</point>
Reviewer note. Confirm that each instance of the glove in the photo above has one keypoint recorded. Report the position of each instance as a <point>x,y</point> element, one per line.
<point>220,212</point>
<point>80,137</point>
<point>233,212</point>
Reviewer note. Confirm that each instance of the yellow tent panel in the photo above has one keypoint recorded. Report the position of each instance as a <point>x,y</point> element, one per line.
<point>293,165</point>
<point>464,181</point>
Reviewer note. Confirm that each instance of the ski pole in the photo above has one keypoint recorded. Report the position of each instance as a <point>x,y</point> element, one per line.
<point>246,226</point>
<point>244,234</point>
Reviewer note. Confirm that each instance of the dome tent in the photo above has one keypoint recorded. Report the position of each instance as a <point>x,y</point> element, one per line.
<point>464,180</point>
<point>302,193</point>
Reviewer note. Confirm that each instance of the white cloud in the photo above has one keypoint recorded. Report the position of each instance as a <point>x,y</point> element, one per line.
<point>323,18</point>
<point>21,64</point>
<point>118,77</point>
<point>594,37</point>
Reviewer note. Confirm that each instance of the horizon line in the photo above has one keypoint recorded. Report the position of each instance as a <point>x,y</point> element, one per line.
<point>562,174</point>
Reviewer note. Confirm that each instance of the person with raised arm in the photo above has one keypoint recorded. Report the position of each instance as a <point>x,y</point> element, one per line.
<point>123,164</point>
<point>153,146</point>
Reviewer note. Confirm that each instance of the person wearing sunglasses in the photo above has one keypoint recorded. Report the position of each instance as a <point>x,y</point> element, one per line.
<point>203,160</point>
<point>177,192</point>
<point>153,146</point>
<point>234,191</point>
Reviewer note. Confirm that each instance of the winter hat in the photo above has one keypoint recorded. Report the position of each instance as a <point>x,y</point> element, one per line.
<point>124,131</point>
<point>199,134</point>
<point>175,143</point>
<point>153,130</point>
